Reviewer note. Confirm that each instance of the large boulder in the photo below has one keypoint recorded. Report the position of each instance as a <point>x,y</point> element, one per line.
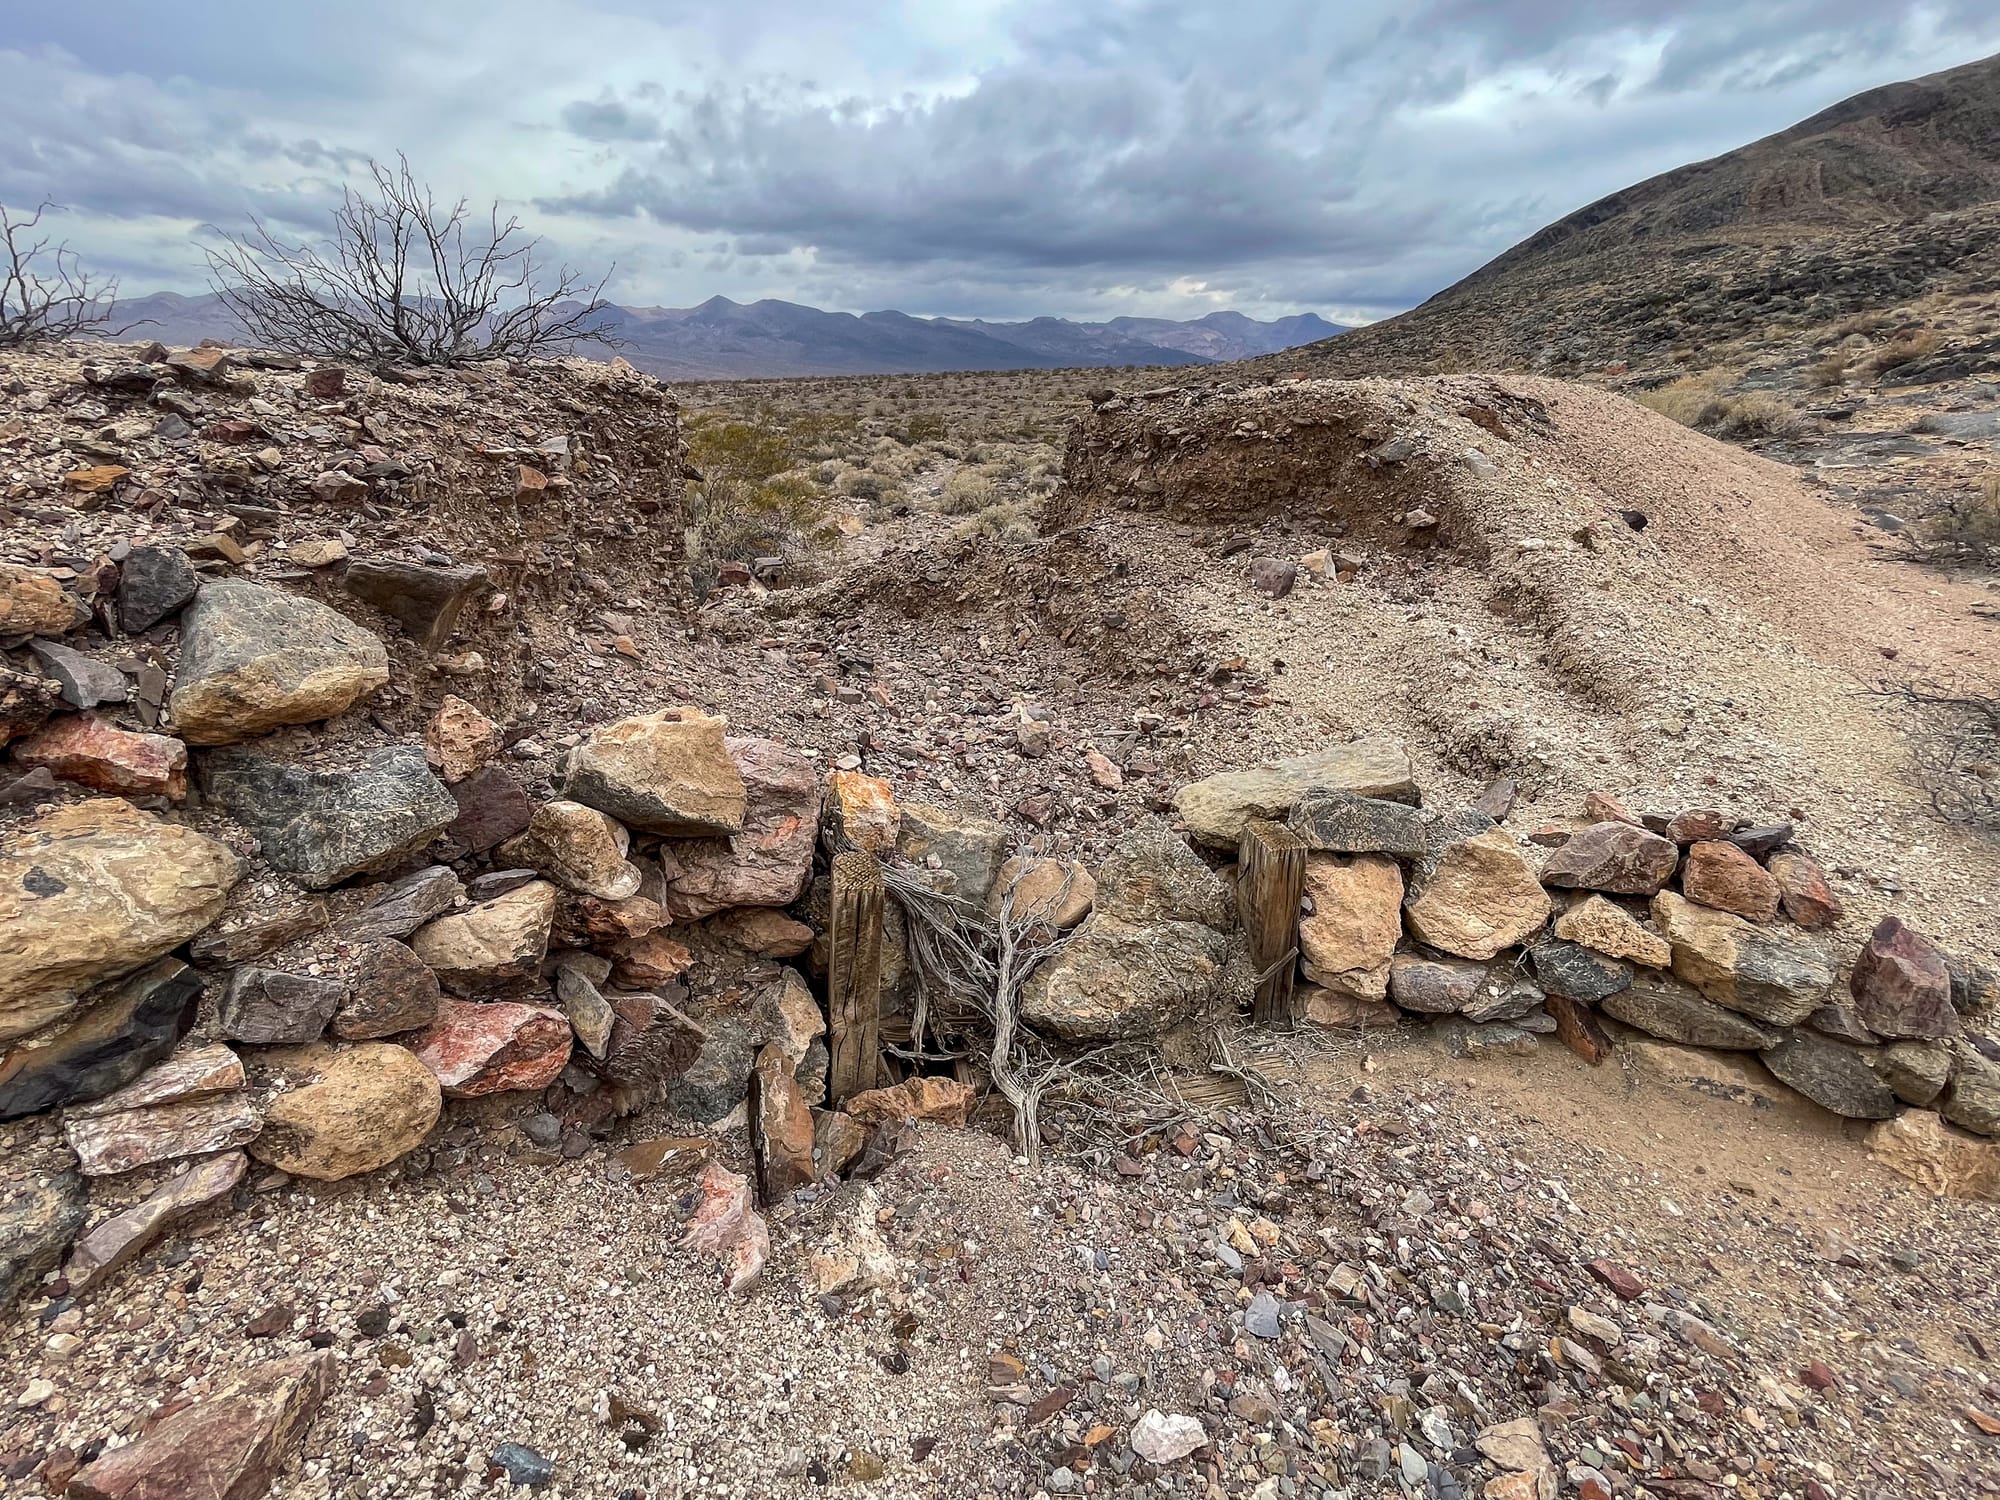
<point>92,891</point>
<point>1216,808</point>
<point>254,659</point>
<point>492,1047</point>
<point>324,826</point>
<point>668,773</point>
<point>426,599</point>
<point>1901,985</point>
<point>121,1030</point>
<point>39,1216</point>
<point>579,848</point>
<point>1117,979</point>
<point>1355,923</point>
<point>363,1107</point>
<point>964,849</point>
<point>94,753</point>
<point>1151,875</point>
<point>1832,1074</point>
<point>1776,974</point>
<point>1614,857</point>
<point>1666,1007</point>
<point>493,946</point>
<point>1942,1160</point>
<point>1475,897</point>
<point>769,862</point>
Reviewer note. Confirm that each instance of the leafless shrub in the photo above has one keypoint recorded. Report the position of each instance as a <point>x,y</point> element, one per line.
<point>1956,750</point>
<point>1904,349</point>
<point>407,280</point>
<point>1967,529</point>
<point>44,292</point>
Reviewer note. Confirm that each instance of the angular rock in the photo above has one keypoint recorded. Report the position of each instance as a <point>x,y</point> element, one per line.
<point>268,1007</point>
<point>254,659</point>
<point>759,931</point>
<point>1160,1438</point>
<point>389,991</point>
<point>83,681</point>
<point>1804,893</point>
<point>365,1106</point>
<point>38,1219</point>
<point>324,826</point>
<point>1764,841</point>
<point>1343,823</point>
<point>1496,800</point>
<point>495,1046</point>
<point>121,1239</point>
<point>1723,876</point>
<point>459,739</point>
<point>577,847</point>
<point>231,1446</point>
<point>1677,1012</point>
<point>1972,1102</point>
<point>425,599</point>
<point>652,959</point>
<point>838,1140</point>
<point>1728,1076</point>
<point>1575,972</point>
<point>1901,984</point>
<point>122,1029</point>
<point>864,812</point>
<point>1356,921</point>
<point>1699,825</point>
<point>1434,986</point>
<point>1613,857</point>
<point>1775,974</point>
<point>1503,997</point>
<point>654,1051</point>
<point>1938,1157</point>
<point>601,926</point>
<point>90,752</point>
<point>1975,987</point>
<point>725,1224</point>
<point>590,1017</point>
<point>91,891</point>
<point>1577,1029</point>
<point>492,807</point>
<point>1116,979</point>
<point>1057,893</point>
<point>1916,1072</point>
<point>965,848</point>
<point>107,1144</point>
<point>668,773</point>
<point>941,1101</point>
<point>1832,1074</point>
<point>491,947</point>
<point>770,861</point>
<point>781,1127</point>
<point>153,582</point>
<point>1216,809</point>
<point>1839,1017</point>
<point>1476,896</point>
<point>1151,875</point>
<point>1495,1039</point>
<point>1322,1007</point>
<point>1606,928</point>
<point>258,922</point>
<point>26,701</point>
<point>399,908</point>
<point>34,603</point>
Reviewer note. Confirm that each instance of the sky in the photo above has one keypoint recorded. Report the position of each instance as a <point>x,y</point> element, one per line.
<point>980,158</point>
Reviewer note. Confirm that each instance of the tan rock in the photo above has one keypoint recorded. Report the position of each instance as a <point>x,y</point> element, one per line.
<point>108,1144</point>
<point>1476,897</point>
<point>653,959</point>
<point>1714,1075</point>
<point>1604,927</point>
<point>1723,876</point>
<point>1055,892</point>
<point>1339,1012</point>
<point>577,847</point>
<point>121,1239</point>
<point>367,1105</point>
<point>33,603</point>
<point>491,946</point>
<point>769,862</point>
<point>760,931</point>
<point>961,849</point>
<point>1940,1158</point>
<point>586,922</point>
<point>1117,980</point>
<point>91,752</point>
<point>254,659</point>
<point>668,773</point>
<point>1356,922</point>
<point>459,739</point>
<point>316,552</point>
<point>94,890</point>
<point>1216,809</point>
<point>865,811</point>
<point>1774,973</point>
<point>944,1101</point>
<point>781,1126</point>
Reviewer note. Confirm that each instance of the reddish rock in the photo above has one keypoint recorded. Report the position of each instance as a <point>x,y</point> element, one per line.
<point>651,960</point>
<point>781,1126</point>
<point>925,1097</point>
<point>33,602</point>
<point>770,861</point>
<point>459,739</point>
<point>133,1138</point>
<point>86,750</point>
<point>1803,891</point>
<point>1628,1287</point>
<point>1577,1028</point>
<point>327,383</point>
<point>1702,823</point>
<point>1602,807</point>
<point>1819,1375</point>
<point>586,922</point>
<point>489,1048</point>
<point>760,931</point>
<point>1613,856</point>
<point>1724,877</point>
<point>492,808</point>
<point>725,1224</point>
<point>1901,985</point>
<point>229,1447</point>
<point>865,811</point>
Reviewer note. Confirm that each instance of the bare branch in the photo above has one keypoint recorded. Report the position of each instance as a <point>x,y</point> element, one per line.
<point>44,294</point>
<point>1955,749</point>
<point>407,280</point>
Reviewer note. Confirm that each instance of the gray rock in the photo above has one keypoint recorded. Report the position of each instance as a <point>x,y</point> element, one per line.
<point>1501,998</point>
<point>1343,823</point>
<point>589,1014</point>
<point>1499,1039</point>
<point>1434,986</point>
<point>1613,857</point>
<point>153,582</point>
<point>1575,972</point>
<point>1117,979</point>
<point>1832,1074</point>
<point>1973,1100</point>
<point>254,659</point>
<point>399,908</point>
<point>425,600</point>
<point>1916,1072</point>
<point>85,683</point>
<point>389,991</point>
<point>121,1030</point>
<point>323,827</point>
<point>1153,876</point>
<point>967,848</point>
<point>1676,1012</point>
<point>1260,1318</point>
<point>38,1218</point>
<point>273,1008</point>
<point>1216,808</point>
<point>1840,1018</point>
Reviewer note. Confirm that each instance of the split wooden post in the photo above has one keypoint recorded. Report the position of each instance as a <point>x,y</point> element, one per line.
<point>1270,880</point>
<point>854,975</point>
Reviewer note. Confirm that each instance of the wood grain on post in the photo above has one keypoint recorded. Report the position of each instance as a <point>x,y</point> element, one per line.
<point>1270,879</point>
<point>854,975</point>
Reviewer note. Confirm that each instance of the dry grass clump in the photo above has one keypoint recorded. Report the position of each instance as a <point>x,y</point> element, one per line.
<point>1968,528</point>
<point>1698,401</point>
<point>1828,373</point>
<point>1905,348</point>
<point>1756,414</point>
<point>1011,520</point>
<point>1692,400</point>
<point>965,492</point>
<point>1853,323</point>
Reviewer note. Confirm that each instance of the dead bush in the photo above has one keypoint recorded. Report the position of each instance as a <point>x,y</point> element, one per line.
<point>1756,414</point>
<point>44,294</point>
<point>1827,373</point>
<point>1692,400</point>
<point>1905,348</point>
<point>1968,528</point>
<point>1956,750</point>
<point>965,492</point>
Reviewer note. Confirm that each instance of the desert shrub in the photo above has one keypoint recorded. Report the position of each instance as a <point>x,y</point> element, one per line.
<point>735,520</point>
<point>1905,348</point>
<point>1969,526</point>
<point>919,427</point>
<point>1756,414</point>
<point>1003,521</point>
<point>965,492</point>
<point>1827,373</point>
<point>1692,401</point>
<point>1955,749</point>
<point>1861,322</point>
<point>859,485</point>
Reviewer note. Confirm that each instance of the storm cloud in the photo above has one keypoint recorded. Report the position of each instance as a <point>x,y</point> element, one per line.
<point>996,159</point>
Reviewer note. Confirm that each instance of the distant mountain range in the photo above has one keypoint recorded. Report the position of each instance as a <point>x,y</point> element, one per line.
<point>725,340</point>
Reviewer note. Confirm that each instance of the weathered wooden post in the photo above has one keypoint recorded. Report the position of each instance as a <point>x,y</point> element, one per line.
<point>1270,880</point>
<point>854,975</point>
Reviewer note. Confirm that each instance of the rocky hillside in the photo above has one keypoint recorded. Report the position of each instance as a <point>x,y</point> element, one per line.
<point>1880,199</point>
